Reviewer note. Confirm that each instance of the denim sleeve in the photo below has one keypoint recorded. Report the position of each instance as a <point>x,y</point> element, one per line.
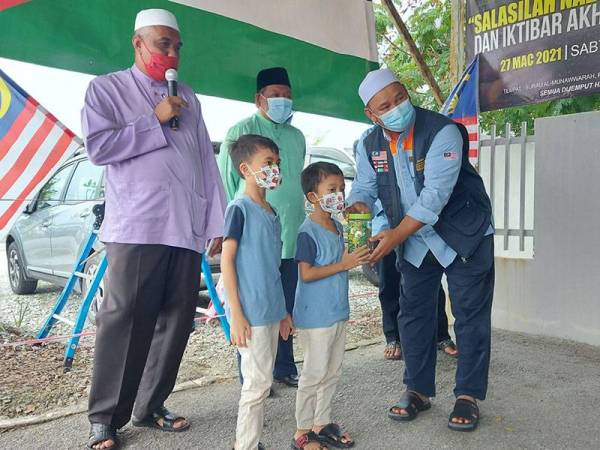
<point>442,166</point>
<point>306,248</point>
<point>234,223</point>
<point>364,186</point>
<point>380,221</point>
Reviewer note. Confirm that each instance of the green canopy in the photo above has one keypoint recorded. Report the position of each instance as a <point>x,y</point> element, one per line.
<point>327,46</point>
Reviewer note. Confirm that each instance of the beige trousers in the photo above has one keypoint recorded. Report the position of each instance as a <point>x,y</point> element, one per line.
<point>323,356</point>
<point>258,359</point>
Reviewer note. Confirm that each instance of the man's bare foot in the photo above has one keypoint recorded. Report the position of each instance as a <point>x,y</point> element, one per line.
<point>448,347</point>
<point>107,444</point>
<point>392,351</point>
<point>179,423</point>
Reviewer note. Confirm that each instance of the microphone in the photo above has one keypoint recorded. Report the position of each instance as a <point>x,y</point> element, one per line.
<point>171,77</point>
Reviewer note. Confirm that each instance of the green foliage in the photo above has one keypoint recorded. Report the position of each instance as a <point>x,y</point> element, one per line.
<point>529,113</point>
<point>430,26</point>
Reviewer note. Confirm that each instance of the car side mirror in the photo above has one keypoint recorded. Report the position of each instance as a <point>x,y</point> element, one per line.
<point>30,208</point>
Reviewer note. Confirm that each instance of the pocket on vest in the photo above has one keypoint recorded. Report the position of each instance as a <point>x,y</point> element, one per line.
<point>465,216</point>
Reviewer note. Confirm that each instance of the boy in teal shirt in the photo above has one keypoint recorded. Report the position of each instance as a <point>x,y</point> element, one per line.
<point>321,308</point>
<point>274,103</point>
<point>254,299</point>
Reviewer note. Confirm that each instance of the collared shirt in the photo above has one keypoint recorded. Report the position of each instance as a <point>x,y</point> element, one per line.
<point>380,221</point>
<point>321,303</point>
<point>288,198</point>
<point>258,235</point>
<point>162,185</point>
<point>441,173</point>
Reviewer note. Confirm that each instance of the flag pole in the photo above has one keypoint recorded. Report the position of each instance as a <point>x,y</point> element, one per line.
<point>457,40</point>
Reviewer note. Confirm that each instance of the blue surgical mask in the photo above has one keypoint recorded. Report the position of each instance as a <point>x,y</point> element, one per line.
<point>398,119</point>
<point>279,109</point>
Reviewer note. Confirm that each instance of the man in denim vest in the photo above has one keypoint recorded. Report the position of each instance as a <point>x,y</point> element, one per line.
<point>416,163</point>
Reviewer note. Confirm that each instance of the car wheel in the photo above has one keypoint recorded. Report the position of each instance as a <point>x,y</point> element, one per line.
<point>370,274</point>
<point>19,283</point>
<point>90,270</point>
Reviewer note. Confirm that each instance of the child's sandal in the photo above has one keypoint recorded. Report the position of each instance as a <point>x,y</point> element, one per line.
<point>308,438</point>
<point>333,435</point>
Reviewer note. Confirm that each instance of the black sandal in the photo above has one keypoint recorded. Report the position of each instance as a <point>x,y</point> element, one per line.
<point>448,343</point>
<point>308,438</point>
<point>100,432</point>
<point>466,410</point>
<point>168,421</point>
<point>332,434</point>
<point>412,404</point>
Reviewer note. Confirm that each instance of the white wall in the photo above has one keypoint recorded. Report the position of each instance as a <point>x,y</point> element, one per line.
<point>558,292</point>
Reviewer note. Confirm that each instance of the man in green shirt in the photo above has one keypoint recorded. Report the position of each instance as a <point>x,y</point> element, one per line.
<point>274,111</point>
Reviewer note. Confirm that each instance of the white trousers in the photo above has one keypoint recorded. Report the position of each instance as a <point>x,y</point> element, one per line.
<point>258,359</point>
<point>323,356</point>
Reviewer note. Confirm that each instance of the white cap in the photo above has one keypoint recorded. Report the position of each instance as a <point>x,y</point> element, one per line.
<point>154,17</point>
<point>375,81</point>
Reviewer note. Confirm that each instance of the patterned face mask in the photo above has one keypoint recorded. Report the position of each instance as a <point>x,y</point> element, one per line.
<point>333,203</point>
<point>268,177</point>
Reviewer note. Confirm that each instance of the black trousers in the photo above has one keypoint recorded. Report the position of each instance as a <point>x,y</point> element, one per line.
<point>471,286</point>
<point>284,362</point>
<point>142,329</point>
<point>389,297</point>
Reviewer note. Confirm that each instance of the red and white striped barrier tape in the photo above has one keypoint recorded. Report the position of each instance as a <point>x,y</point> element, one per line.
<point>205,319</point>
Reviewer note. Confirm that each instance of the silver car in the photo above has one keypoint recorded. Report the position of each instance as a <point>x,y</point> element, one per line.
<point>46,240</point>
<point>48,237</point>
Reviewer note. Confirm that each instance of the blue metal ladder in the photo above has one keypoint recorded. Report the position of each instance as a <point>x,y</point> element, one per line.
<point>63,298</point>
<point>214,298</point>
<point>79,323</point>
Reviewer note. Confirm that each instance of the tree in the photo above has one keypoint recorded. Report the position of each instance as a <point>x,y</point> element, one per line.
<point>429,24</point>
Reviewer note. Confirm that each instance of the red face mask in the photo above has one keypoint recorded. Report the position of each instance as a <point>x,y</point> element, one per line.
<point>159,64</point>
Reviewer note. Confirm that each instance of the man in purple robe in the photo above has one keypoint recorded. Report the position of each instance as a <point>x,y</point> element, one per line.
<point>164,207</point>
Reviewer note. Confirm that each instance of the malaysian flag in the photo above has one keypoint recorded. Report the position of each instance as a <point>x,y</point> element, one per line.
<point>32,144</point>
<point>5,4</point>
<point>462,105</point>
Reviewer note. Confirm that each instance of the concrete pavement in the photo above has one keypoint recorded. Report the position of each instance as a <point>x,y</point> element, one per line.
<point>543,394</point>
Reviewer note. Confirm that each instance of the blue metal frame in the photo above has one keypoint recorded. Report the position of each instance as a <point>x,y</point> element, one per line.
<point>82,313</point>
<point>214,297</point>
<point>68,289</point>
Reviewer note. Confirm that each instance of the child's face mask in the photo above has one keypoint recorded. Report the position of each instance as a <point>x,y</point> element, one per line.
<point>268,177</point>
<point>333,203</point>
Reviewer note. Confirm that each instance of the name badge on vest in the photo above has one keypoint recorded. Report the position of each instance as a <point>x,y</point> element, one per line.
<point>380,161</point>
<point>420,165</point>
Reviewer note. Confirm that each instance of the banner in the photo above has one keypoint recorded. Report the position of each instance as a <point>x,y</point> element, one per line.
<point>462,106</point>
<point>32,144</point>
<point>534,50</point>
<point>326,46</point>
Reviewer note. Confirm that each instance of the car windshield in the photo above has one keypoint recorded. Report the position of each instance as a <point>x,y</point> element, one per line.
<point>332,154</point>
